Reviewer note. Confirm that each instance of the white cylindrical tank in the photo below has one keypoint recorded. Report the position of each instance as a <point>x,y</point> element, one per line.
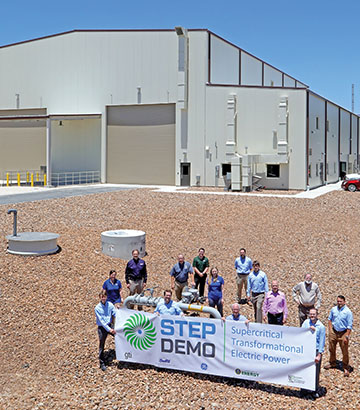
<point>33,243</point>
<point>120,243</point>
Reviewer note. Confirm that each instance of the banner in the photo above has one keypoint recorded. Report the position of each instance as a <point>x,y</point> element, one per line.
<point>268,353</point>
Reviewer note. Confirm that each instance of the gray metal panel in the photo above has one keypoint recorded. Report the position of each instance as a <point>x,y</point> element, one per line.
<point>22,148</point>
<point>141,144</point>
<point>251,70</point>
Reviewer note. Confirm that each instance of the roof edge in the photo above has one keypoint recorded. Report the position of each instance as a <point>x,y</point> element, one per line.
<point>95,31</point>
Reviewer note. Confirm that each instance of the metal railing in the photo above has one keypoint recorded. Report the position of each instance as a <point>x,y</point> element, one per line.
<point>74,178</point>
<point>23,178</point>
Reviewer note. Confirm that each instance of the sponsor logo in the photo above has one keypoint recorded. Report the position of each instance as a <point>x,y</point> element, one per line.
<point>246,373</point>
<point>164,361</point>
<point>295,379</point>
<point>204,366</point>
<point>140,332</point>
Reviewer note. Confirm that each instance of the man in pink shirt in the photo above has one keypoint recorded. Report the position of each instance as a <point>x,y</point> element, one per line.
<point>274,307</point>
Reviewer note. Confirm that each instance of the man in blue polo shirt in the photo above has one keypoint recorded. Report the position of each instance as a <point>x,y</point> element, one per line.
<point>180,274</point>
<point>104,312</point>
<point>340,324</point>
<point>256,288</point>
<point>243,266</point>
<point>314,324</point>
<point>168,306</point>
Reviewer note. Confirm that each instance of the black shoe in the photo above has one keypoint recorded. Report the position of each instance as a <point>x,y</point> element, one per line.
<point>103,367</point>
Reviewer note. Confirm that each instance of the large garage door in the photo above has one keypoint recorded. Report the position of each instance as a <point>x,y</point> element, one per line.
<point>22,145</point>
<point>141,144</point>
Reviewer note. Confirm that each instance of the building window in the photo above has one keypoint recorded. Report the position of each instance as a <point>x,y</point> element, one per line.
<point>317,170</point>
<point>317,123</point>
<point>273,171</point>
<point>309,171</point>
<point>327,126</point>
<point>225,168</point>
<point>310,151</point>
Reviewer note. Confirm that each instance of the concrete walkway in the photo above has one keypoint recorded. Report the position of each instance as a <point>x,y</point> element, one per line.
<point>15,194</point>
<point>311,194</point>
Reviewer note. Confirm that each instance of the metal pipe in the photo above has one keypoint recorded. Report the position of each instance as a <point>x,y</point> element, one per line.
<point>200,308</point>
<point>13,211</point>
<point>152,301</point>
<point>141,300</point>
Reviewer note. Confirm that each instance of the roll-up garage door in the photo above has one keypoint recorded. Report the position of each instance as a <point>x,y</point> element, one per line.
<point>23,145</point>
<point>141,144</point>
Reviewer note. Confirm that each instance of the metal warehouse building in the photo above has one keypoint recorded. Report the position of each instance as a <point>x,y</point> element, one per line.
<point>178,107</point>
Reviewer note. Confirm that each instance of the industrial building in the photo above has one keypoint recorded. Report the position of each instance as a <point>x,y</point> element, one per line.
<point>178,107</point>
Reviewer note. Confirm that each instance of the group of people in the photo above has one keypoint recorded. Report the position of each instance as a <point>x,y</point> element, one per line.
<point>269,305</point>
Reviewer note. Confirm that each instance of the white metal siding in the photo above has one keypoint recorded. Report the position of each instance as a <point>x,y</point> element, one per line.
<point>81,72</point>
<point>75,145</point>
<point>316,140</point>
<point>344,135</point>
<point>333,142</point>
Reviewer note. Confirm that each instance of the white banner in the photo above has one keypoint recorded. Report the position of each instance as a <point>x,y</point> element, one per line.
<point>268,353</point>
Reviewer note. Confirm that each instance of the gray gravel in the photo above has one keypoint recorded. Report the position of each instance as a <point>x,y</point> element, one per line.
<point>48,357</point>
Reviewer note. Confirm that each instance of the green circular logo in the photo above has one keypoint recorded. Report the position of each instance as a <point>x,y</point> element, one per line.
<point>140,332</point>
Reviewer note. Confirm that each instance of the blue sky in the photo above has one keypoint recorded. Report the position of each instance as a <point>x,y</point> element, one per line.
<point>316,41</point>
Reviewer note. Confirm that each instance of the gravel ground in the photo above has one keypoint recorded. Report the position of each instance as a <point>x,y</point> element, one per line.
<point>48,333</point>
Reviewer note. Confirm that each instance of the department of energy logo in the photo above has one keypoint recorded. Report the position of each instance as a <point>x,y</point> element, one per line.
<point>140,332</point>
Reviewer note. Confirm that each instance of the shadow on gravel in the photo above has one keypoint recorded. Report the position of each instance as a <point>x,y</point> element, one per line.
<point>340,367</point>
<point>247,384</point>
<point>109,357</point>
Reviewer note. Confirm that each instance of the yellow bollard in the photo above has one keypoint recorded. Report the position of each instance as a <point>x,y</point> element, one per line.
<point>37,177</point>
<point>32,179</point>
<point>18,179</point>
<point>44,179</point>
<point>7,179</point>
<point>27,177</point>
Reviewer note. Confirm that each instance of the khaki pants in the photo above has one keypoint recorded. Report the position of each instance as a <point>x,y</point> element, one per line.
<point>179,288</point>
<point>241,281</point>
<point>136,286</point>
<point>257,299</point>
<point>335,338</point>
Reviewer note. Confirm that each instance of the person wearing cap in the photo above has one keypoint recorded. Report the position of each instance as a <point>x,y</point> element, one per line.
<point>307,295</point>
<point>340,324</point>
